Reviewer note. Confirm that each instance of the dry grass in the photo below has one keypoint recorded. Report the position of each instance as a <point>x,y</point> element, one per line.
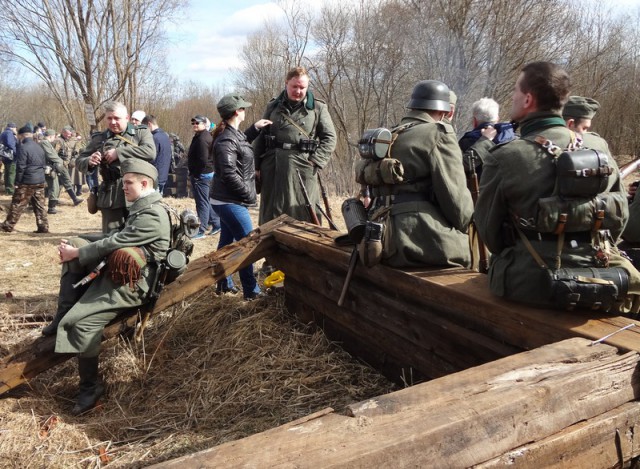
<point>210,370</point>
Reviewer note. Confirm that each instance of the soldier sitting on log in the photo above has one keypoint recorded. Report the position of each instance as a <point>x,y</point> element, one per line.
<point>551,207</point>
<point>133,254</point>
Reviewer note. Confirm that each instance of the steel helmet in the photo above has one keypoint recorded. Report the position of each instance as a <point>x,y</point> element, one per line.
<point>430,95</point>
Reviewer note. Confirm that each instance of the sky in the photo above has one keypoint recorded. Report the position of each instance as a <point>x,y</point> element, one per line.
<point>207,40</point>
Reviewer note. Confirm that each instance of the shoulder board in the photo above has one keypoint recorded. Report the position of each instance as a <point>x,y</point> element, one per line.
<point>141,126</point>
<point>499,145</point>
<point>445,127</point>
<point>318,100</point>
<point>594,134</point>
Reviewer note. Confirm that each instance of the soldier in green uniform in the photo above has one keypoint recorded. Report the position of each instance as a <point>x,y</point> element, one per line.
<point>431,210</point>
<point>58,173</point>
<point>518,182</point>
<point>84,311</point>
<point>301,137</point>
<point>68,148</point>
<point>106,152</point>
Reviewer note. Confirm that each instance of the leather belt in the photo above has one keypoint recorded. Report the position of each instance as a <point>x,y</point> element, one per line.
<point>286,146</point>
<point>410,197</point>
<point>580,237</point>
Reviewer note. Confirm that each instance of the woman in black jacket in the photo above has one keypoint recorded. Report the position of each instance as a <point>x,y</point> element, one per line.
<point>233,188</point>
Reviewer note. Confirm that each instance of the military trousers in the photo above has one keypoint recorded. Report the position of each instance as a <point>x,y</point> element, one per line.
<point>25,193</point>
<point>9,175</point>
<point>96,305</point>
<point>58,177</point>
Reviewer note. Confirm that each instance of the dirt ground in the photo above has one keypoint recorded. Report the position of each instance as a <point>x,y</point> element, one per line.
<point>211,369</point>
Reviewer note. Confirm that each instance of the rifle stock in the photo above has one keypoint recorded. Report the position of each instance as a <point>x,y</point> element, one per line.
<point>474,188</point>
<point>307,200</point>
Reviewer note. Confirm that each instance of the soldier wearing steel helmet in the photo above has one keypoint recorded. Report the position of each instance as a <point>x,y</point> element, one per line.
<point>431,210</point>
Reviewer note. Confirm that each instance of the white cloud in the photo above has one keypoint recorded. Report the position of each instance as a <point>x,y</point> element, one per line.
<point>206,46</point>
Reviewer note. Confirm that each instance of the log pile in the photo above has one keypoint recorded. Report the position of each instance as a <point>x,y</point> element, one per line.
<point>425,323</point>
<point>568,404</point>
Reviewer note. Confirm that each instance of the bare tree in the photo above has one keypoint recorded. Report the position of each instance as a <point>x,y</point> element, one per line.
<point>85,51</point>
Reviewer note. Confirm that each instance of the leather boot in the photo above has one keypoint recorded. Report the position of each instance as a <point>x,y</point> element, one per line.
<point>90,387</point>
<point>52,207</point>
<point>76,200</point>
<point>67,297</point>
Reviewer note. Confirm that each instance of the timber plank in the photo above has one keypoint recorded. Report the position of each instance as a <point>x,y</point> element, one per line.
<point>465,296</point>
<point>552,356</point>
<point>491,419</point>
<point>399,326</point>
<point>607,440</point>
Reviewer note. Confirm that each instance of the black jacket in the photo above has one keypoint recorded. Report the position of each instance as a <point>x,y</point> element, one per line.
<point>234,167</point>
<point>199,158</point>
<point>30,162</point>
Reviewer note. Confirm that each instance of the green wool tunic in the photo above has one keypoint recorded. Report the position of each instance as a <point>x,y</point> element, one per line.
<point>432,231</point>
<point>281,191</point>
<point>134,142</point>
<point>515,176</point>
<point>148,226</point>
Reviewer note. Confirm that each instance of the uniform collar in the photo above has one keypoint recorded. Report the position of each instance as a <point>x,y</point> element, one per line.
<point>536,121</point>
<point>144,202</point>
<point>130,130</point>
<point>419,114</point>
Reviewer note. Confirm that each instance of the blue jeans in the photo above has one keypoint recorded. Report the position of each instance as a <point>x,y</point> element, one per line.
<point>201,185</point>
<point>235,225</point>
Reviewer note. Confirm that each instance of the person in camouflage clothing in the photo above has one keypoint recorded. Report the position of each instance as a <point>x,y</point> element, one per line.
<point>68,148</point>
<point>106,152</point>
<point>58,173</point>
<point>30,183</point>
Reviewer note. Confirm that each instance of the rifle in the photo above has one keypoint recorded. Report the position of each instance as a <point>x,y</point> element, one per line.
<point>630,167</point>
<point>324,214</point>
<point>307,200</point>
<point>325,199</point>
<point>474,188</point>
<point>353,261</point>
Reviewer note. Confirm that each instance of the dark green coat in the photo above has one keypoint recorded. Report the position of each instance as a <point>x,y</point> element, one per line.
<point>281,191</point>
<point>147,226</point>
<point>515,176</point>
<point>429,232</point>
<point>111,199</point>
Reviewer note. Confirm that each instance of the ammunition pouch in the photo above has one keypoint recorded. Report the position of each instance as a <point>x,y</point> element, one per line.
<point>379,172</point>
<point>589,288</point>
<point>370,247</point>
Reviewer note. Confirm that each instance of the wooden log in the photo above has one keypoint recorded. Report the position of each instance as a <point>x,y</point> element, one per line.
<point>608,440</point>
<point>463,295</point>
<point>492,417</point>
<point>39,355</point>
<point>461,385</point>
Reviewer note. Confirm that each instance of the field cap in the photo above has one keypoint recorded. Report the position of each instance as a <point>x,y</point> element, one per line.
<point>134,165</point>
<point>230,103</point>
<point>581,107</point>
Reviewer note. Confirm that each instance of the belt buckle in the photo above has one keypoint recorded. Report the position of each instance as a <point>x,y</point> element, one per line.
<point>287,146</point>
